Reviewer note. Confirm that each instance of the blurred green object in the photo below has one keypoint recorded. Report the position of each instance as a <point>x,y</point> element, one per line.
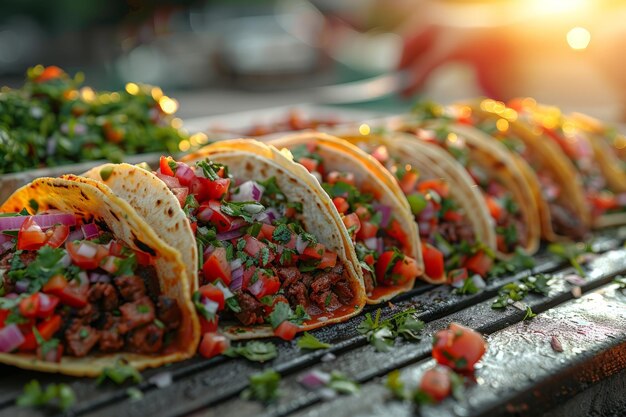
<point>52,121</point>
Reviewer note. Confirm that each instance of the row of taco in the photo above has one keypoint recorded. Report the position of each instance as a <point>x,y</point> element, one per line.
<point>247,239</point>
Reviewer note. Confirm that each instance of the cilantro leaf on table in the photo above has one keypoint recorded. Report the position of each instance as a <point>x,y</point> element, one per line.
<point>119,373</point>
<point>254,351</point>
<point>263,387</point>
<point>308,341</point>
<point>60,396</point>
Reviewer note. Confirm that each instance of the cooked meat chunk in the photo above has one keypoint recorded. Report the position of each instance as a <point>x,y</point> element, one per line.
<point>136,314</point>
<point>252,311</point>
<point>326,300</point>
<point>89,313</point>
<point>288,275</point>
<point>297,294</point>
<point>344,291</point>
<point>151,281</point>
<point>80,339</point>
<point>169,312</point>
<point>146,339</point>
<point>368,280</point>
<point>131,287</point>
<point>105,294</point>
<point>111,341</point>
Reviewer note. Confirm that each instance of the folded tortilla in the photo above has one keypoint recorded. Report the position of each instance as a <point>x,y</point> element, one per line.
<point>96,203</point>
<point>246,160</point>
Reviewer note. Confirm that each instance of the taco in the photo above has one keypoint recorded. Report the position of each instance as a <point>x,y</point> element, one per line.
<point>378,221</point>
<point>510,199</point>
<point>457,234</point>
<point>87,283</point>
<point>557,185</point>
<point>273,255</point>
<point>597,165</point>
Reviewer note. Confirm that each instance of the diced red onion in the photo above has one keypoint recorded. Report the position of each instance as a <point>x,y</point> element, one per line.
<point>248,191</point>
<point>76,234</point>
<point>66,260</point>
<point>86,250</point>
<point>273,214</point>
<point>236,277</point>
<point>621,199</point>
<point>428,213</point>
<point>224,290</point>
<point>45,221</point>
<point>21,286</point>
<point>237,223</point>
<point>371,243</point>
<point>90,230</point>
<point>424,228</point>
<point>5,238</point>
<point>314,379</point>
<point>256,288</point>
<point>235,264</point>
<point>301,244</point>
<point>458,283</point>
<point>10,338</point>
<point>96,277</point>
<point>83,279</point>
<point>184,173</point>
<point>385,212</point>
<point>210,305</point>
<point>7,245</point>
<point>208,250</point>
<point>11,296</point>
<point>161,380</point>
<point>44,301</point>
<point>171,182</point>
<point>205,214</point>
<point>479,282</point>
<point>233,234</point>
<point>380,246</point>
<point>263,217</point>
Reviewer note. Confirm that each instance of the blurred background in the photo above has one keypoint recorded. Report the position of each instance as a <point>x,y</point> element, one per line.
<point>218,57</point>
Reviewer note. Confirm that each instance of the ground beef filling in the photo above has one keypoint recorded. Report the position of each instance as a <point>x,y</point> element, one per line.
<point>120,316</point>
<point>317,291</point>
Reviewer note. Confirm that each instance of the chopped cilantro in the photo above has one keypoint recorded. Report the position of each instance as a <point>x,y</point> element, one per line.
<point>308,341</point>
<point>119,374</point>
<point>253,351</point>
<point>282,234</point>
<point>517,291</point>
<point>382,334</point>
<point>263,387</point>
<point>244,209</point>
<point>60,396</point>
<point>571,253</point>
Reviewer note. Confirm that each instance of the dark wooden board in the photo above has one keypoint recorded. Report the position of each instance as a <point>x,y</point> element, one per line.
<point>212,387</point>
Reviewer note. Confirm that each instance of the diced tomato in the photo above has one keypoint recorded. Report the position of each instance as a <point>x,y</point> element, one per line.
<point>351,221</point>
<point>3,316</point>
<point>329,260</point>
<point>181,194</point>
<point>309,163</point>
<point>363,213</point>
<point>436,383</point>
<point>382,265</point>
<point>164,165</point>
<point>367,230</point>
<point>194,227</point>
<point>116,248</point>
<point>439,186</point>
<point>458,347</point>
<point>286,330</point>
<point>221,221</point>
<point>112,133</point>
<point>213,344</point>
<point>53,355</point>
<point>254,248</point>
<point>452,216</point>
<point>479,263</point>
<point>290,212</point>
<point>57,235</point>
<point>217,267</point>
<point>218,188</point>
<point>207,326</point>
<point>30,236</point>
<point>47,305</point>
<point>341,204</point>
<point>495,209</point>
<point>457,275</point>
<point>369,259</point>
<point>404,271</point>
<point>603,201</point>
<point>213,293</point>
<point>87,257</point>
<point>315,251</point>
<point>433,261</point>
<point>29,306</point>
<point>336,176</point>
<point>408,182</point>
<point>267,232</point>
<point>292,242</point>
<point>144,258</point>
<point>248,273</point>
<point>46,329</point>
<point>395,231</point>
<point>264,284</point>
<point>55,285</point>
<point>49,73</point>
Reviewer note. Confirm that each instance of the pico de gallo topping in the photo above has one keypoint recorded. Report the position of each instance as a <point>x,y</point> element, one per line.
<point>576,146</point>
<point>257,263</point>
<point>449,245</point>
<point>379,240</point>
<point>505,212</point>
<point>70,288</point>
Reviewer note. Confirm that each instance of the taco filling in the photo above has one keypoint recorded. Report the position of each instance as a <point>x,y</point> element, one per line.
<point>258,264</point>
<point>379,239</point>
<point>505,212</point>
<point>449,244</point>
<point>70,288</point>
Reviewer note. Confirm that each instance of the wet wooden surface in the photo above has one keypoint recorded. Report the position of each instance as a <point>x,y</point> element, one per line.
<point>521,375</point>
